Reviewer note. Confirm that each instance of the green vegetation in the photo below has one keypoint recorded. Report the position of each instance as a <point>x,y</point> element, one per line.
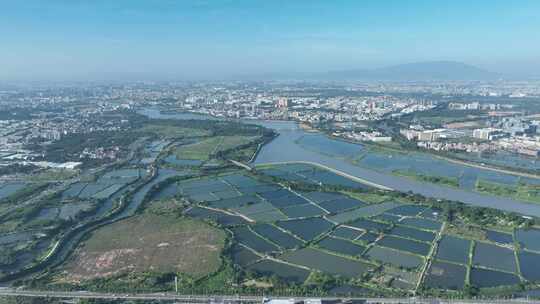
<point>245,154</point>
<point>406,242</point>
<point>33,300</point>
<point>22,194</point>
<point>54,175</point>
<point>171,131</point>
<point>208,147</point>
<point>147,251</point>
<point>369,197</point>
<point>17,169</point>
<point>71,146</point>
<point>438,117</point>
<point>441,180</point>
<point>465,230</point>
<point>526,192</point>
<point>200,254</point>
<point>214,139</point>
<point>210,127</point>
<point>52,216</point>
<point>389,148</point>
<point>165,207</point>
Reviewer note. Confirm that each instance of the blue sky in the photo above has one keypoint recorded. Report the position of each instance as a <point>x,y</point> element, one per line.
<point>166,39</point>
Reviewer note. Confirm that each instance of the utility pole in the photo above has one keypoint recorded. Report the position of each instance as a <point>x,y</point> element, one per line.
<point>176,284</point>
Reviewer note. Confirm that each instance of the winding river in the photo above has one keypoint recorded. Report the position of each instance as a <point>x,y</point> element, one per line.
<point>287,147</point>
<point>74,236</point>
<point>293,145</point>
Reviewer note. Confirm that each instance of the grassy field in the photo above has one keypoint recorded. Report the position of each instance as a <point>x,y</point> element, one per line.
<point>165,207</point>
<point>440,180</point>
<point>10,225</point>
<point>391,146</point>
<point>54,174</point>
<point>204,149</point>
<point>148,242</point>
<point>442,117</point>
<point>173,131</point>
<point>372,198</point>
<point>234,141</point>
<point>244,154</point>
<point>465,231</point>
<point>524,192</point>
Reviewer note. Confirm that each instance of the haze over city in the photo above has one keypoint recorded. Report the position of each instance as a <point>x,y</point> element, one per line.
<point>269,152</point>
<point>208,40</point>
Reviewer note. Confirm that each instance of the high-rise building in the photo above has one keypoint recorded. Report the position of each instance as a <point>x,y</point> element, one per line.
<point>283,102</point>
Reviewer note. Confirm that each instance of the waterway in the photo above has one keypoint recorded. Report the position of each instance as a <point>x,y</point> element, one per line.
<point>294,144</point>
<point>75,236</point>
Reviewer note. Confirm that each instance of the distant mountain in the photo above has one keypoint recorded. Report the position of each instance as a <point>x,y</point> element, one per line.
<point>419,71</point>
<point>432,70</point>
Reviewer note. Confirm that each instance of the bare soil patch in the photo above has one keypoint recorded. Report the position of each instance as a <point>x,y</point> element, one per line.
<point>148,242</point>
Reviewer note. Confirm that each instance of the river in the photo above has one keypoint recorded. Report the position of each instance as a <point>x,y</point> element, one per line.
<point>290,146</point>
<point>74,237</point>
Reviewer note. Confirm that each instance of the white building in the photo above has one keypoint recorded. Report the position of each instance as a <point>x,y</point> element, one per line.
<point>487,133</point>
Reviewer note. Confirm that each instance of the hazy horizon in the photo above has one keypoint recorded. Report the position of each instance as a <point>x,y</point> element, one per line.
<point>63,40</point>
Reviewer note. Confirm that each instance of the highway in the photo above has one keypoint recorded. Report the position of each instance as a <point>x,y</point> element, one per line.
<point>228,298</point>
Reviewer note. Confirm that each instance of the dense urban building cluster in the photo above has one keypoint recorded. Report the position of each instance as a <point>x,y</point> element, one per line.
<point>42,115</point>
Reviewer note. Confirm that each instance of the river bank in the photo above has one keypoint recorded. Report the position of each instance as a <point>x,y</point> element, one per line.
<point>285,148</point>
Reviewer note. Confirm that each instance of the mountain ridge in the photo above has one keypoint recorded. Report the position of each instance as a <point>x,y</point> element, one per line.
<point>425,70</point>
<point>416,71</point>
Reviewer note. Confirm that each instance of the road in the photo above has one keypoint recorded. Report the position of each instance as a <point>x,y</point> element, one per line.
<point>241,165</point>
<point>285,148</point>
<point>338,172</point>
<point>227,298</point>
